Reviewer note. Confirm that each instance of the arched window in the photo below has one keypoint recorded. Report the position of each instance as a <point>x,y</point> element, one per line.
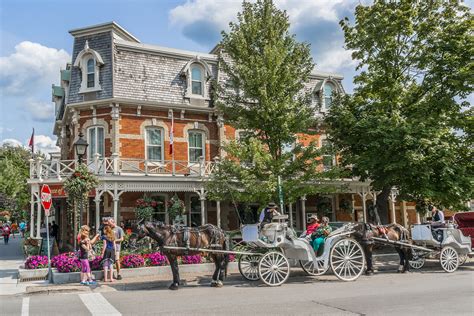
<point>196,145</point>
<point>154,144</point>
<point>90,73</point>
<point>196,80</point>
<point>328,91</point>
<point>95,138</point>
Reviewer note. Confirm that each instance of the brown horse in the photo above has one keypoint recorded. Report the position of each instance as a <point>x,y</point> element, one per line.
<point>392,232</point>
<point>204,237</point>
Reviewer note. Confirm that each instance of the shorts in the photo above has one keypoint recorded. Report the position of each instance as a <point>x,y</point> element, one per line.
<point>85,266</point>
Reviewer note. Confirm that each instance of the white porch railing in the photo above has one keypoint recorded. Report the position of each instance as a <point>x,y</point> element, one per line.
<point>110,166</point>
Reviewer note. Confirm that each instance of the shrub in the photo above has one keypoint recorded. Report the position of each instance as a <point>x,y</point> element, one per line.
<point>155,259</point>
<point>132,261</point>
<point>61,257</point>
<point>65,264</point>
<point>191,259</point>
<point>96,264</point>
<point>36,262</point>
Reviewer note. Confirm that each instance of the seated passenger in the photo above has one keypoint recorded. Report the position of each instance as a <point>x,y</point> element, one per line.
<point>312,226</point>
<point>268,213</point>
<point>321,233</point>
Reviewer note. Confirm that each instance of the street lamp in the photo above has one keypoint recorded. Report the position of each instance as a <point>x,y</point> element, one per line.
<point>81,147</point>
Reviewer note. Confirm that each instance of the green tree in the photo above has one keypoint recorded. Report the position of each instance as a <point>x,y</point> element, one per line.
<point>263,91</point>
<point>14,173</point>
<point>407,124</point>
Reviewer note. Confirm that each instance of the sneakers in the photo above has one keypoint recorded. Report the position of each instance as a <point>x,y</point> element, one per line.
<point>92,282</point>
<point>84,283</point>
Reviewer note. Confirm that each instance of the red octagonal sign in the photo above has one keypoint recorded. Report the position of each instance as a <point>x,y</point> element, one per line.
<point>46,198</point>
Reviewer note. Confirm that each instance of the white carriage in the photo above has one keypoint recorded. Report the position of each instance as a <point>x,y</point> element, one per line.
<point>447,243</point>
<point>271,248</point>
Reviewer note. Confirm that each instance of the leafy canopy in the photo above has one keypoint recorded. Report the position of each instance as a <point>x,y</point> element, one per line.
<point>262,91</point>
<point>407,123</point>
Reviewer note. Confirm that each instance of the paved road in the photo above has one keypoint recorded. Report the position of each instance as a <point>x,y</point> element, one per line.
<point>430,292</point>
<point>11,256</point>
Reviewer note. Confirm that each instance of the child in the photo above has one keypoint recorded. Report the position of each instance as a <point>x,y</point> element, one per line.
<point>108,253</point>
<point>85,248</point>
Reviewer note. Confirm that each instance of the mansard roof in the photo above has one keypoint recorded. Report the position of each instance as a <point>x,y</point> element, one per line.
<point>104,27</point>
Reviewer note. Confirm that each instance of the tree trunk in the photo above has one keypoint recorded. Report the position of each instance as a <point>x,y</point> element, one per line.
<point>381,204</point>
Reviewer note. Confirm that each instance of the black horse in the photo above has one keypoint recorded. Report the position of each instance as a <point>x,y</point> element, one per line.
<point>392,232</point>
<point>187,238</point>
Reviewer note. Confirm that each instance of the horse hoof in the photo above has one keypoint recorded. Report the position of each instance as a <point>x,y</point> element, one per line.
<point>219,284</point>
<point>213,283</point>
<point>173,287</point>
<point>369,272</point>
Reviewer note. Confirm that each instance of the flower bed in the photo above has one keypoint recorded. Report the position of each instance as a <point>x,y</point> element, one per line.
<point>68,262</point>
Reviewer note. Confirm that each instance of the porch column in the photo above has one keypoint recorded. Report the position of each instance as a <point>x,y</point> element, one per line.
<point>116,201</point>
<point>392,197</point>
<point>404,213</point>
<point>418,219</point>
<point>32,212</point>
<point>97,209</point>
<point>353,208</point>
<point>203,209</point>
<point>363,196</point>
<point>218,208</point>
<point>290,210</point>
<point>303,210</point>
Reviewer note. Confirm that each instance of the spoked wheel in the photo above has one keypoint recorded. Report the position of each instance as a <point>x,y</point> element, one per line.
<point>463,259</point>
<point>449,259</point>
<point>248,267</point>
<point>313,268</point>
<point>417,264</point>
<point>418,261</point>
<point>274,268</point>
<point>347,259</point>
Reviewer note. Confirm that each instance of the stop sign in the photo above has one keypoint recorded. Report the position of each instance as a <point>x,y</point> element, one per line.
<point>46,198</point>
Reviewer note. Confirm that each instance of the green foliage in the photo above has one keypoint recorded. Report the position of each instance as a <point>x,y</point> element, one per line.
<point>145,208</point>
<point>265,72</point>
<point>407,124</point>
<point>176,207</point>
<point>80,183</point>
<point>14,173</point>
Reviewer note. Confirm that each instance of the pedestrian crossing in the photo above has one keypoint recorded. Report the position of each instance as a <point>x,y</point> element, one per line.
<point>98,305</point>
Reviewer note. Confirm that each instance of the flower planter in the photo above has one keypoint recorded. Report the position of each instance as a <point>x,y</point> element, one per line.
<point>32,274</point>
<point>205,268</point>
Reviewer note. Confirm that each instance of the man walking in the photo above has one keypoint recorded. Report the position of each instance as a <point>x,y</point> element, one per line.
<point>118,241</point>
<point>22,228</point>
<point>55,231</point>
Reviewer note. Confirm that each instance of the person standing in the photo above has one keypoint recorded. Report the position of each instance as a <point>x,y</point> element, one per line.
<point>22,229</point>
<point>108,253</point>
<point>119,234</point>
<point>14,228</point>
<point>85,248</point>
<point>55,231</point>
<point>6,233</point>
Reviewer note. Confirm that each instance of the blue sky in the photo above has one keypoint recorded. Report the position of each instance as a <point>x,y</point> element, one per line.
<point>35,44</point>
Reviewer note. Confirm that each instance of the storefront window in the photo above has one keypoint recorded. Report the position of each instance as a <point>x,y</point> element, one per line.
<point>195,211</point>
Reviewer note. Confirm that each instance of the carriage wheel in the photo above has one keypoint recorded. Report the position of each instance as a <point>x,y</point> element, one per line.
<point>313,268</point>
<point>274,268</point>
<point>347,259</point>
<point>449,259</point>
<point>417,264</point>
<point>463,259</point>
<point>248,267</point>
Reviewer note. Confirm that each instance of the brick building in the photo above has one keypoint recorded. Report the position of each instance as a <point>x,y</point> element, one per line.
<point>123,95</point>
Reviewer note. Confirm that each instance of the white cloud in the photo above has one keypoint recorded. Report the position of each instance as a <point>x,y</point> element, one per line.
<point>11,142</point>
<point>39,110</point>
<point>43,143</point>
<point>31,67</point>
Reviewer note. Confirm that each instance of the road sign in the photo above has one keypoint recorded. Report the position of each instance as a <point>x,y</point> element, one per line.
<point>46,198</point>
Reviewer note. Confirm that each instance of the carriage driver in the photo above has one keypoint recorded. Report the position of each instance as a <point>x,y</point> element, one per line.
<point>437,217</point>
<point>267,214</point>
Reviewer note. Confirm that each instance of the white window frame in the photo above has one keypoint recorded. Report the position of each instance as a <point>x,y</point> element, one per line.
<point>333,158</point>
<point>162,144</point>
<point>88,72</point>
<point>189,216</point>
<point>202,81</point>
<point>89,141</point>
<point>334,89</point>
<point>81,62</point>
<point>203,134</point>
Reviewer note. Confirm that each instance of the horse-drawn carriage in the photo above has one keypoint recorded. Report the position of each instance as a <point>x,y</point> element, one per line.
<point>269,249</point>
<point>448,244</point>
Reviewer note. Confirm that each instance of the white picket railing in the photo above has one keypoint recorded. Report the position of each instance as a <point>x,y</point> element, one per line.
<point>115,165</point>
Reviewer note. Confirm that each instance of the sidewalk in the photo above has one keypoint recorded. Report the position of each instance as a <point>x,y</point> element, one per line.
<point>11,257</point>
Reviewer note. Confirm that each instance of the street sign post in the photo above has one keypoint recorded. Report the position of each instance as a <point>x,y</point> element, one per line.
<point>47,201</point>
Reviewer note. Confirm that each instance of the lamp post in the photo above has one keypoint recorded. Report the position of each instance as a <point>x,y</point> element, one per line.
<point>81,148</point>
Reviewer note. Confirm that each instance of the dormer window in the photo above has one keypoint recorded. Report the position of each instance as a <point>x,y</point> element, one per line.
<point>197,80</point>
<point>328,91</point>
<point>90,73</point>
<point>89,61</point>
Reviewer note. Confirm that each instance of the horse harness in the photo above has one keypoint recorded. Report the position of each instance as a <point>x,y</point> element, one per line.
<point>187,233</point>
